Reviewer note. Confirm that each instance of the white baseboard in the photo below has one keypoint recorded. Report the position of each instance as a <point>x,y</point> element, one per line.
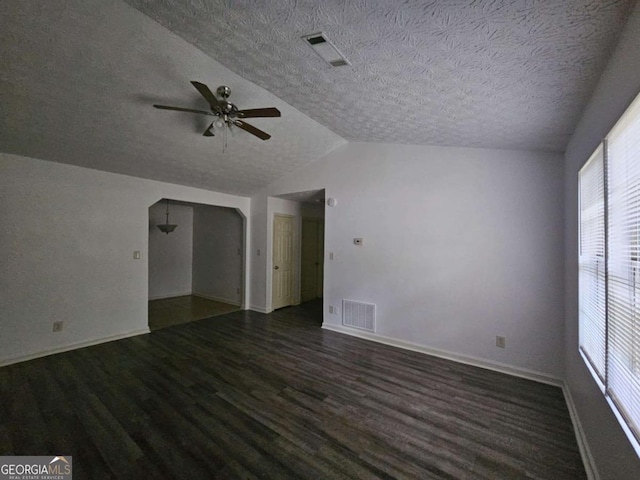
<point>255,308</point>
<point>172,295</point>
<point>581,438</point>
<point>71,346</point>
<point>217,299</point>
<point>456,357</point>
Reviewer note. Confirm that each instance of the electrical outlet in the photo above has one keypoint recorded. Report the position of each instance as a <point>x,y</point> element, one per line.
<point>332,309</point>
<point>330,255</point>
<point>238,290</point>
<point>258,252</point>
<point>57,326</point>
<point>136,255</point>
<point>500,342</point>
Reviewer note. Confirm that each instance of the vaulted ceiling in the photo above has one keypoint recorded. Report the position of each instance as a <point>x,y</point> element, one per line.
<point>483,73</point>
<point>78,79</point>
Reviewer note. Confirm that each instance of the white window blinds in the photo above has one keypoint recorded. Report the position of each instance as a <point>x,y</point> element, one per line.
<point>592,329</point>
<point>609,269</point>
<point>623,211</point>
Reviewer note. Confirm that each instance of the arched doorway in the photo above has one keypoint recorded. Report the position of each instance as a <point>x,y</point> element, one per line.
<point>197,270</point>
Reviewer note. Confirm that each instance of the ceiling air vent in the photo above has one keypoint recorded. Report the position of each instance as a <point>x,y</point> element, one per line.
<point>327,50</point>
<point>338,63</point>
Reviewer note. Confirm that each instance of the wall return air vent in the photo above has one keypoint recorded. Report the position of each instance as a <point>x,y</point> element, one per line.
<point>327,50</point>
<point>359,315</point>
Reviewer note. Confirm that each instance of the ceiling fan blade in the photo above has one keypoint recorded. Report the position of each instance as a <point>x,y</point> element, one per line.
<point>251,129</point>
<point>208,95</point>
<point>180,109</point>
<point>259,112</point>
<point>209,131</point>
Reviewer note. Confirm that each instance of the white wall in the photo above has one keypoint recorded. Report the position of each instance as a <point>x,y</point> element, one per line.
<point>217,253</point>
<point>460,245</point>
<point>620,83</point>
<point>170,256</point>
<point>67,253</point>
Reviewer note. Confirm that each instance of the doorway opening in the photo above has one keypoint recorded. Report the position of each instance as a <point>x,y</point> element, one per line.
<point>197,270</point>
<point>297,249</point>
<point>311,259</point>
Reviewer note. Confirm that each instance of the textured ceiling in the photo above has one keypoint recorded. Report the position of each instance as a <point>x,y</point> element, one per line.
<point>485,73</point>
<point>77,81</point>
<point>78,78</point>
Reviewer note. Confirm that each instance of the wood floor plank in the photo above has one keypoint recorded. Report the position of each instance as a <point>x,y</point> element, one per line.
<point>167,312</point>
<point>247,395</point>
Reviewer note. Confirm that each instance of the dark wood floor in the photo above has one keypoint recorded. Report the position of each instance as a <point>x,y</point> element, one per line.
<point>247,395</point>
<point>167,312</point>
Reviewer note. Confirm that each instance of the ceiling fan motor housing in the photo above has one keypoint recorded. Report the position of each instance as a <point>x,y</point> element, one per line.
<point>223,91</point>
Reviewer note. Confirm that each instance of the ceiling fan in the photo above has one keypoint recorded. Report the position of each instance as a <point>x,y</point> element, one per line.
<point>226,112</point>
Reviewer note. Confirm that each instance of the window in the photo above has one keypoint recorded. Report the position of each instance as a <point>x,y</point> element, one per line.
<point>591,278</point>
<point>609,269</point>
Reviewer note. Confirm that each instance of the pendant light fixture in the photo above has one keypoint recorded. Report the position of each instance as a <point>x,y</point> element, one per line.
<point>166,228</point>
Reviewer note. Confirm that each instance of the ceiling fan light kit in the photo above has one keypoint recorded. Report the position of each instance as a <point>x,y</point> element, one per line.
<point>226,113</point>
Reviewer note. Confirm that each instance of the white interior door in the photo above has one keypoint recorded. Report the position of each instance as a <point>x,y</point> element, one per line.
<point>283,261</point>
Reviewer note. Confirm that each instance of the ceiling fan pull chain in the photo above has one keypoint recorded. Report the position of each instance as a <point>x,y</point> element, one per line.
<point>224,145</point>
